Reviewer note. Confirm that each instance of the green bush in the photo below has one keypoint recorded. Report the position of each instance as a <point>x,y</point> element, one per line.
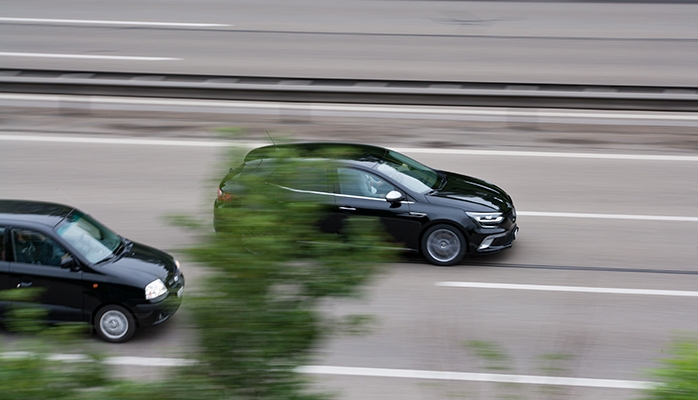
<point>678,377</point>
<point>259,309</point>
<point>258,312</point>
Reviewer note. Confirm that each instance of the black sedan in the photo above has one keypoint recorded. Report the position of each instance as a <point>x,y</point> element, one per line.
<point>85,272</point>
<point>442,214</point>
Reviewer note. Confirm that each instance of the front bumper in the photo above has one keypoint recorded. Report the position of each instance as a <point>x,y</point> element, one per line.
<point>156,313</point>
<point>151,314</point>
<point>498,241</point>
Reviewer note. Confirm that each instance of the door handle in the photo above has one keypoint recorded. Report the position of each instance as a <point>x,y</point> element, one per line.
<point>24,284</point>
<point>347,208</point>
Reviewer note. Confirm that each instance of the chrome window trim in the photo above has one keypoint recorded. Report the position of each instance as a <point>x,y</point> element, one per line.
<point>338,194</point>
<point>303,191</point>
<point>369,198</point>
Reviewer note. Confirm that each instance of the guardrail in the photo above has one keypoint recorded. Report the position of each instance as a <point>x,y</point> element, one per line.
<point>349,91</point>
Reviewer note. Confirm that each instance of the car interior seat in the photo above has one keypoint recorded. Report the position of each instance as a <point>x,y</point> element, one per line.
<point>353,183</point>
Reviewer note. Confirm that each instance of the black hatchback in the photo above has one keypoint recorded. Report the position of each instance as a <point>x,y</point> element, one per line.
<point>442,214</point>
<point>85,272</point>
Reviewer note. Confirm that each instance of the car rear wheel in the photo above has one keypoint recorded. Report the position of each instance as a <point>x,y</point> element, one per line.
<point>114,324</point>
<point>443,245</point>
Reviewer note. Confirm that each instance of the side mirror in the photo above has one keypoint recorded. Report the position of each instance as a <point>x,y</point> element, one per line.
<point>394,196</point>
<point>69,263</point>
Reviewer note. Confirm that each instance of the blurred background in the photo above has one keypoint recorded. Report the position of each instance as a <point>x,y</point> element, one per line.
<point>585,112</point>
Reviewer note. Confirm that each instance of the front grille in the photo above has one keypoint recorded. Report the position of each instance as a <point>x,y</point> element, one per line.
<point>175,280</point>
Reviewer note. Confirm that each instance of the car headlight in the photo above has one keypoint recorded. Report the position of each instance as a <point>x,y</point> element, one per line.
<point>155,289</point>
<point>487,220</point>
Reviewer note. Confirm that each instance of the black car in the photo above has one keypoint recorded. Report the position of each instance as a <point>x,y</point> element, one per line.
<point>442,214</point>
<point>85,272</point>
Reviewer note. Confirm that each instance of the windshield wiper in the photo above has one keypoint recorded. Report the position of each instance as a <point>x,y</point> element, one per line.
<point>444,179</point>
<point>123,246</point>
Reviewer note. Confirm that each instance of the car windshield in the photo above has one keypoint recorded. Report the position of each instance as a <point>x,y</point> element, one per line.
<point>409,173</point>
<point>88,237</point>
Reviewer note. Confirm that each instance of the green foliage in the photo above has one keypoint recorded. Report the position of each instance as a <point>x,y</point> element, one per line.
<point>25,318</point>
<point>491,353</point>
<point>35,377</point>
<point>259,311</point>
<point>20,317</point>
<point>678,378</point>
<point>555,363</point>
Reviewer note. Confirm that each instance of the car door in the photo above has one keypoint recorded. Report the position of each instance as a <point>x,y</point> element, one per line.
<point>309,183</point>
<point>36,263</point>
<point>362,193</point>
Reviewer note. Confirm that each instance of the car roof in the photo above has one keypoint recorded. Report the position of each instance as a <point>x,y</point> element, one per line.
<point>319,150</point>
<point>37,212</point>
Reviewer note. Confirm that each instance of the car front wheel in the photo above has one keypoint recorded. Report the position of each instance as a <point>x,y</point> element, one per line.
<point>443,245</point>
<point>114,324</point>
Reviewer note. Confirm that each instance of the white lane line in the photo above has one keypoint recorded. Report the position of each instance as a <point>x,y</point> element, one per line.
<point>212,143</point>
<point>138,361</point>
<point>476,377</point>
<point>118,141</point>
<point>86,57</point>
<point>499,112</point>
<point>108,22</point>
<point>370,372</point>
<point>668,218</point>
<point>150,361</point>
<point>574,289</point>
<point>540,154</point>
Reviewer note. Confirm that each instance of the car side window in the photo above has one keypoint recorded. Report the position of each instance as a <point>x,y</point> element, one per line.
<point>32,247</point>
<point>362,183</point>
<point>305,177</point>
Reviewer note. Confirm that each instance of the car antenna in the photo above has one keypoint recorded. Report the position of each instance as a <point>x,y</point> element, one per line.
<point>270,138</point>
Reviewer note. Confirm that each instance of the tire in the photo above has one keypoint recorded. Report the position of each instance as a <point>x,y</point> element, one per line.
<point>114,324</point>
<point>443,245</point>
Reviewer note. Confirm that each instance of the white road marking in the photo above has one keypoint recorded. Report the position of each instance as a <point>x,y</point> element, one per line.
<point>476,377</point>
<point>87,57</point>
<point>118,141</point>
<point>107,22</point>
<point>150,361</point>
<point>574,289</point>
<point>551,154</point>
<point>138,361</point>
<point>222,143</point>
<point>370,372</point>
<point>608,216</point>
<point>507,112</point>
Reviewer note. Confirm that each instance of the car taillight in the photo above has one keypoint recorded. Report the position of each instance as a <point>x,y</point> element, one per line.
<point>223,196</point>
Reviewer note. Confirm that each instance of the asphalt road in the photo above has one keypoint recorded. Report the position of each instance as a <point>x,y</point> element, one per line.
<point>609,222</point>
<point>521,42</point>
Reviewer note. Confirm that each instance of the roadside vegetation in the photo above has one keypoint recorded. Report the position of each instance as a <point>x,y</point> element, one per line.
<point>258,310</point>
<point>677,378</point>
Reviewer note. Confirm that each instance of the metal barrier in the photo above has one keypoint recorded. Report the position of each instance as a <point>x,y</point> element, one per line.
<point>307,90</point>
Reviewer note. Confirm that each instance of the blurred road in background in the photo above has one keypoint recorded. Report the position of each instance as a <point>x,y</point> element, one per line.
<point>651,44</point>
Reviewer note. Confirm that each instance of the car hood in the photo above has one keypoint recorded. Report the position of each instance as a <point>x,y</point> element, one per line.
<point>471,194</point>
<point>141,264</point>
